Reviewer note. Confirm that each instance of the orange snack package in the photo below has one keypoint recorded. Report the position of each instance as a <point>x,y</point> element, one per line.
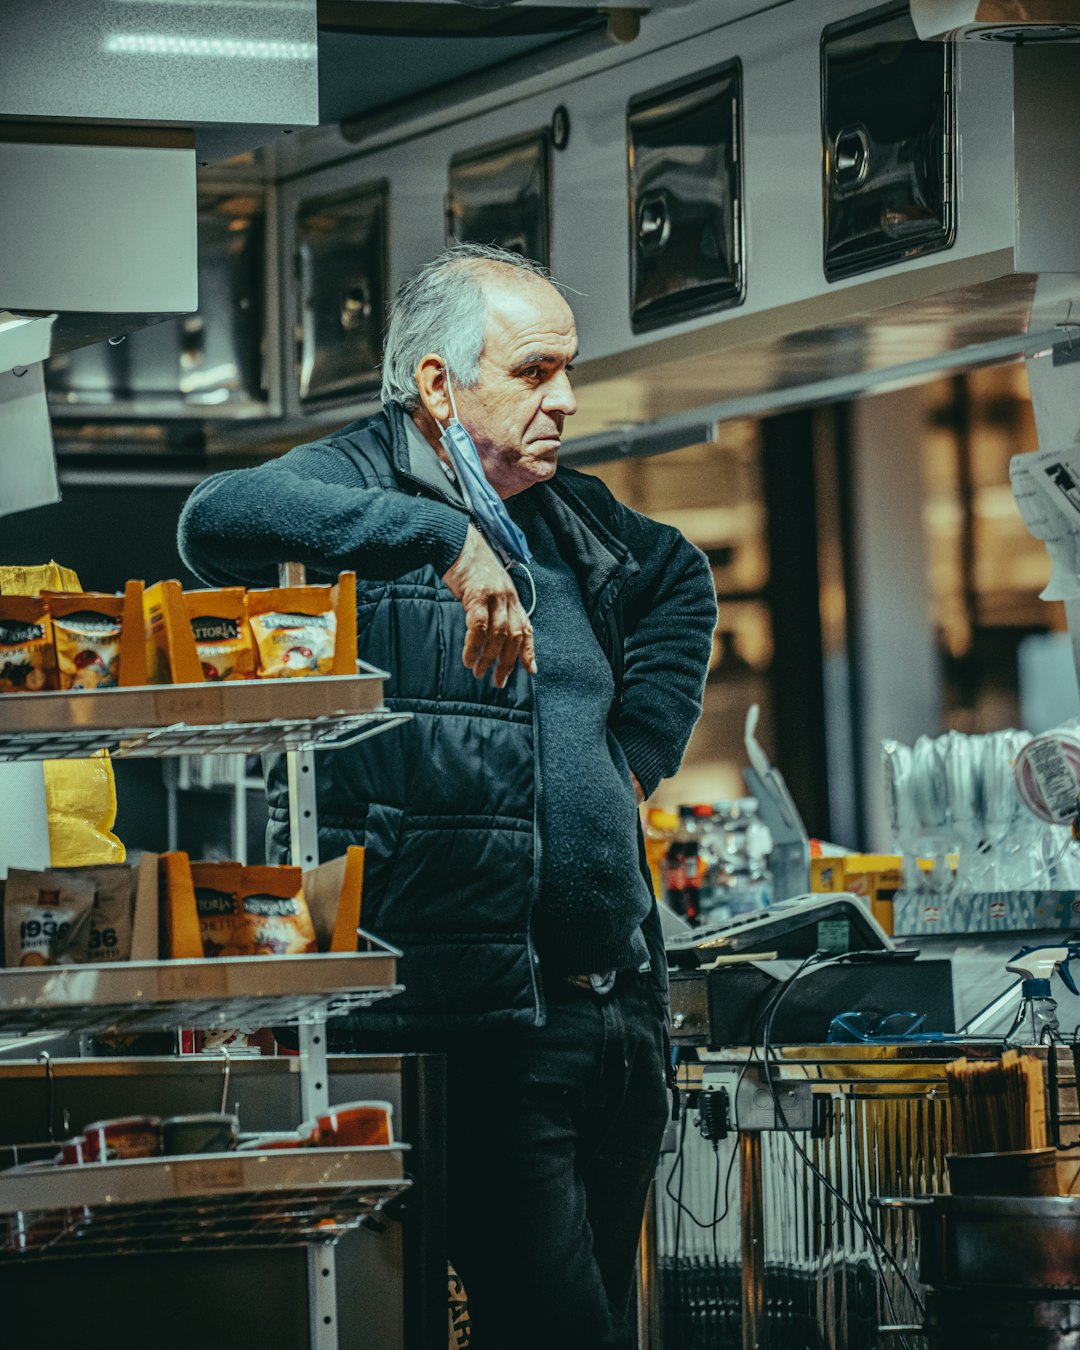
<point>98,638</point>
<point>251,911</point>
<point>27,656</point>
<point>305,630</point>
<point>222,636</point>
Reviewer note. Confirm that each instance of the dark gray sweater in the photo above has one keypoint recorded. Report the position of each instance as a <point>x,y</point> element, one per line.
<point>592,895</point>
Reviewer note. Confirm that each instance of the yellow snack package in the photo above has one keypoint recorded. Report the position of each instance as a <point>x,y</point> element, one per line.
<point>295,630</point>
<point>305,630</point>
<point>27,657</point>
<point>222,635</point>
<point>86,629</point>
<point>98,637</point>
<point>80,793</point>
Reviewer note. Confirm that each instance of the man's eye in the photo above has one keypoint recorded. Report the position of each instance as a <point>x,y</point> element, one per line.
<point>532,372</point>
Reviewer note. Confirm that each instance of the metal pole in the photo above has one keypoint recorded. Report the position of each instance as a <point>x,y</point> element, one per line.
<point>314,1078</point>
<point>751,1213</point>
<point>239,822</point>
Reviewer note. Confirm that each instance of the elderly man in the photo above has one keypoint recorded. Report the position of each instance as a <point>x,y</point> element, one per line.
<point>504,852</point>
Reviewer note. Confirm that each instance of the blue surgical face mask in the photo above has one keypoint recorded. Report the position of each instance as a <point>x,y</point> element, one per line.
<point>498,529</point>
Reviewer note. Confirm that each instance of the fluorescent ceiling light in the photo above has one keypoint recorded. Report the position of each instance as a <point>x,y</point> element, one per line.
<point>160,44</point>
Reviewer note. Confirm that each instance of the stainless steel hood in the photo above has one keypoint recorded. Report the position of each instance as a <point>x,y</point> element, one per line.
<point>996,20</point>
<point>907,209</point>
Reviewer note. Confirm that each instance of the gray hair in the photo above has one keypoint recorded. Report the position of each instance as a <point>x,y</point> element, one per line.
<point>442,309</point>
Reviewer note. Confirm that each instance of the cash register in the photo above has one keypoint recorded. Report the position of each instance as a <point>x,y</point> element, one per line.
<point>724,978</point>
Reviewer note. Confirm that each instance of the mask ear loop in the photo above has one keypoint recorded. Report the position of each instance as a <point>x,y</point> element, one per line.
<point>453,402</point>
<point>532,584</point>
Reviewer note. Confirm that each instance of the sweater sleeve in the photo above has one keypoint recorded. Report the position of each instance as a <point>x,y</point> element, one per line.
<point>670,610</point>
<point>310,507</point>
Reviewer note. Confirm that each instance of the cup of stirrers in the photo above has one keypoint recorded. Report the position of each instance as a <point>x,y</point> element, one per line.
<point>998,1126</point>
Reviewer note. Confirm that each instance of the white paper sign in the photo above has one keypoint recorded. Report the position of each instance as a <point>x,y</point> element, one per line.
<point>1046,486</point>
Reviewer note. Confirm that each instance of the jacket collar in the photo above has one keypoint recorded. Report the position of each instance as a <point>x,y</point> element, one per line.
<point>602,563</point>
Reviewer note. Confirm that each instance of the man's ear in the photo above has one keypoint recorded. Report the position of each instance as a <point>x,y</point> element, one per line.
<point>431,382</point>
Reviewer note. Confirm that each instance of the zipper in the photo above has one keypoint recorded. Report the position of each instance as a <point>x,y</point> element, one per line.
<point>429,489</point>
<point>538,850</point>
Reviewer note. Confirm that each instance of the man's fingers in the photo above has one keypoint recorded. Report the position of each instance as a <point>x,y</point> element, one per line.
<point>496,636</point>
<point>528,651</point>
<point>499,634</point>
<point>476,619</point>
<point>510,652</point>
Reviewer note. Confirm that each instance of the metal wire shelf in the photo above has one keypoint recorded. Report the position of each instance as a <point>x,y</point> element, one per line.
<point>284,1198</point>
<point>231,991</point>
<point>237,717</point>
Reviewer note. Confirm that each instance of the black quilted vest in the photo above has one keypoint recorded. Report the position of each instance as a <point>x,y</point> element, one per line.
<point>445,805</point>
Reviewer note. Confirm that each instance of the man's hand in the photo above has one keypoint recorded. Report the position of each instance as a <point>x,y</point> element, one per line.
<point>639,791</point>
<point>500,633</point>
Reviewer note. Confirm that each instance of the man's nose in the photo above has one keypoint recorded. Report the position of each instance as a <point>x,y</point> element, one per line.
<point>559,396</point>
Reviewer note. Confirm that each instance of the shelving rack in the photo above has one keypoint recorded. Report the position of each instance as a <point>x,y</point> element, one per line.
<point>288,1197</point>
<point>280,1198</point>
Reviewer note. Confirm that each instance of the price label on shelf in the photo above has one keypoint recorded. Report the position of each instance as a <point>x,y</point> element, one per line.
<point>213,1174</point>
<point>190,703</point>
<point>193,980</point>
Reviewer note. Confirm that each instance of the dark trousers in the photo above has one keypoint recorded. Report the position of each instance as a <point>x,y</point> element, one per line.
<point>553,1137</point>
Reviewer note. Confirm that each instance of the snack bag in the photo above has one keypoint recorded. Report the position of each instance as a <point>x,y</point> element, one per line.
<point>110,919</point>
<point>27,657</point>
<point>32,578</point>
<point>216,885</point>
<point>272,901</point>
<point>222,636</point>
<point>87,628</point>
<point>46,917</point>
<point>251,911</point>
<point>295,630</point>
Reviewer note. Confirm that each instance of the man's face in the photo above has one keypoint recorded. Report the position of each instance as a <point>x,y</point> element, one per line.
<point>516,409</point>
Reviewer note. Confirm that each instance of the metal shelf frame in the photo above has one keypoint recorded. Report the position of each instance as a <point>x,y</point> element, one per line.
<point>233,717</point>
<point>240,1200</point>
<point>279,1198</point>
<point>231,991</point>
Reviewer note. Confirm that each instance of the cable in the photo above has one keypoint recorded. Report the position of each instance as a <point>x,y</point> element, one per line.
<point>681,1165</point>
<point>874,1241</point>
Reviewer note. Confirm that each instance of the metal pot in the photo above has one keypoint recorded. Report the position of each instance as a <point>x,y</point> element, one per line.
<point>995,1321</point>
<point>997,1242</point>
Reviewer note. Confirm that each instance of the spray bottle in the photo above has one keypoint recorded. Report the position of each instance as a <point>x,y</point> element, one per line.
<point>1036,1020</point>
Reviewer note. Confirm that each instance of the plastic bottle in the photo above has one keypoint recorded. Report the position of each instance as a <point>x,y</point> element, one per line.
<point>1037,1020</point>
<point>683,866</point>
<point>741,879</point>
<point>1039,1023</point>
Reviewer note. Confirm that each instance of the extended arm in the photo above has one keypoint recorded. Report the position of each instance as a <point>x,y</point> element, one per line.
<point>309,507</point>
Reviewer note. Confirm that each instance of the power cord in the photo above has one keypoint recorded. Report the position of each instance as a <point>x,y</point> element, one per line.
<point>873,1239</point>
